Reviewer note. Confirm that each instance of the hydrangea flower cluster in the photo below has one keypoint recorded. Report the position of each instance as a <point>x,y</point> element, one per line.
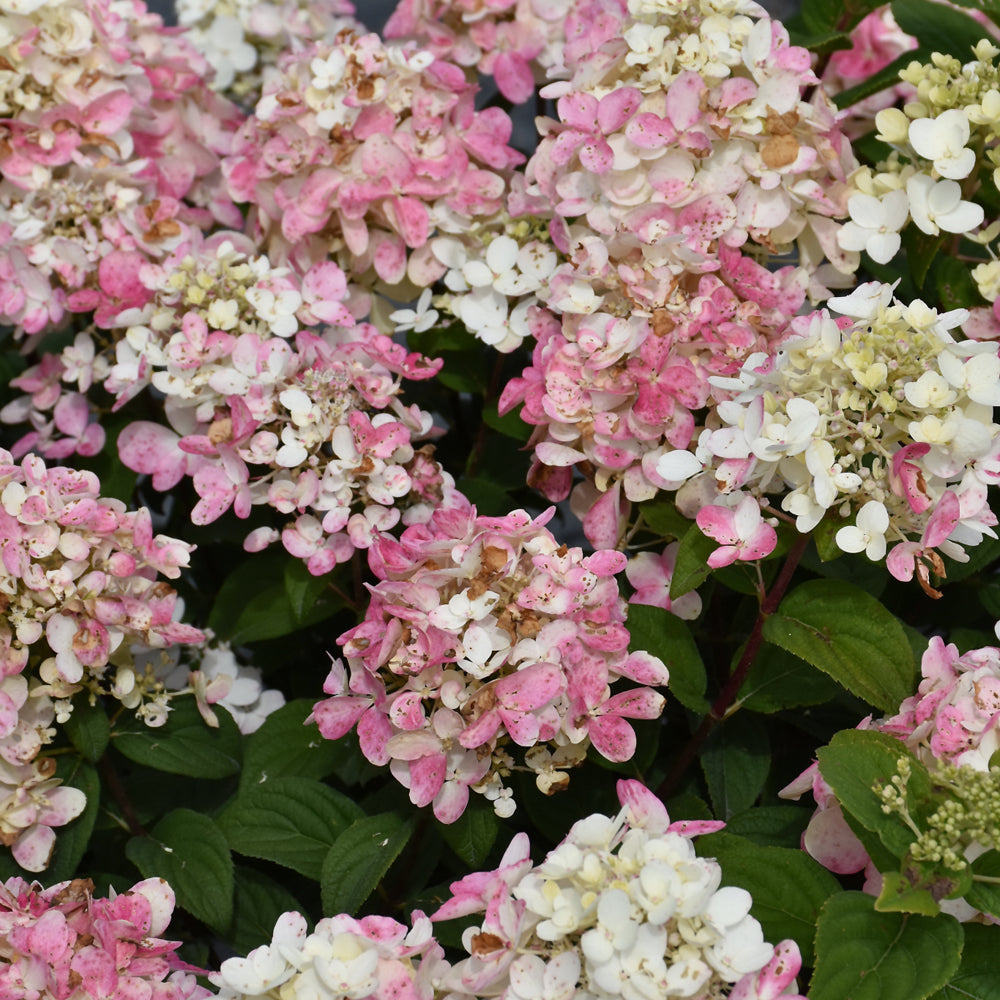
<point>952,725</point>
<point>374,958</point>
<point>687,156</point>
<point>77,586</point>
<point>360,150</point>
<point>939,140</point>
<point>880,414</point>
<point>241,39</point>
<point>62,942</point>
<point>514,41</point>
<point>622,907</point>
<point>482,633</point>
<point>109,127</point>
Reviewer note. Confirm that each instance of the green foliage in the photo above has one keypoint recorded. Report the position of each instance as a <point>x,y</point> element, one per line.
<point>938,28</point>
<point>736,759</point>
<point>360,858</point>
<point>665,635</point>
<point>849,635</point>
<point>190,852</point>
<point>183,744</point>
<point>976,977</point>
<point>258,902</point>
<point>290,821</point>
<point>472,835</point>
<point>88,728</point>
<point>866,955</point>
<point>787,886</point>
<point>691,567</point>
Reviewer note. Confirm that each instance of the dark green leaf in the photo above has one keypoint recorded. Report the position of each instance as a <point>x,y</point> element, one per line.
<point>184,744</point>
<point>736,760</point>
<point>787,886</point>
<point>665,519</point>
<point>190,852</point>
<point>88,728</point>
<point>854,763</point>
<point>303,589</point>
<point>849,635</point>
<point>290,821</point>
<point>664,635</point>
<point>472,835</point>
<point>778,680</point>
<point>939,28</point>
<point>955,286</point>
<point>285,745</point>
<point>258,903</point>
<point>865,955</point>
<point>976,978</point>
<point>73,839</point>
<point>771,826</point>
<point>921,251</point>
<point>691,567</point>
<point>980,556</point>
<point>510,423</point>
<point>985,896</point>
<point>359,859</point>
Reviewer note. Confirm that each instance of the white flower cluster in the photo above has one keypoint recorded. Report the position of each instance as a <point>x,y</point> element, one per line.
<point>495,283</point>
<point>888,416</point>
<point>934,139</point>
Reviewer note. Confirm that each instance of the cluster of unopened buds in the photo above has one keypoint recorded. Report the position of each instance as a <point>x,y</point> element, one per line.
<point>952,726</point>
<point>881,414</point>
<point>482,634</point>
<point>62,942</point>
<point>622,907</point>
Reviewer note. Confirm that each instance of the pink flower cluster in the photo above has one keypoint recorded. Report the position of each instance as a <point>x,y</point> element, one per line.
<point>361,150</point>
<point>621,908</point>
<point>513,41</point>
<point>684,151</point>
<point>110,147</point>
<point>482,633</point>
<point>62,943</point>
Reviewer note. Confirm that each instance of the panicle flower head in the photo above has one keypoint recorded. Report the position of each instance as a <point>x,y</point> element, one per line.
<point>622,907</point>
<point>880,414</point>
<point>483,634</point>
<point>61,941</point>
<point>361,150</point>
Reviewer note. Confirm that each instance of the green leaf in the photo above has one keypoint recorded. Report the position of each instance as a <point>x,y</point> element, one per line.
<point>88,728</point>
<point>980,556</point>
<point>771,826</point>
<point>285,745</point>
<point>778,680</point>
<point>359,858</point>
<point>888,76</point>
<point>849,635</point>
<point>665,519</point>
<point>787,886</point>
<point>938,28</point>
<point>472,835</point>
<point>190,852</point>
<point>665,635</point>
<point>184,744</point>
<point>736,760</point>
<point>691,566</point>
<point>900,895</point>
<point>74,838</point>
<point>921,251</point>
<point>985,896</point>
<point>291,821</point>
<point>303,589</point>
<point>865,955</point>
<point>976,978</point>
<point>509,424</point>
<point>854,763</point>
<point>258,902</point>
<point>955,286</point>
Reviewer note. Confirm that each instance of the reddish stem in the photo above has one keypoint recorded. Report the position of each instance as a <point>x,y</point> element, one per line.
<point>726,697</point>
